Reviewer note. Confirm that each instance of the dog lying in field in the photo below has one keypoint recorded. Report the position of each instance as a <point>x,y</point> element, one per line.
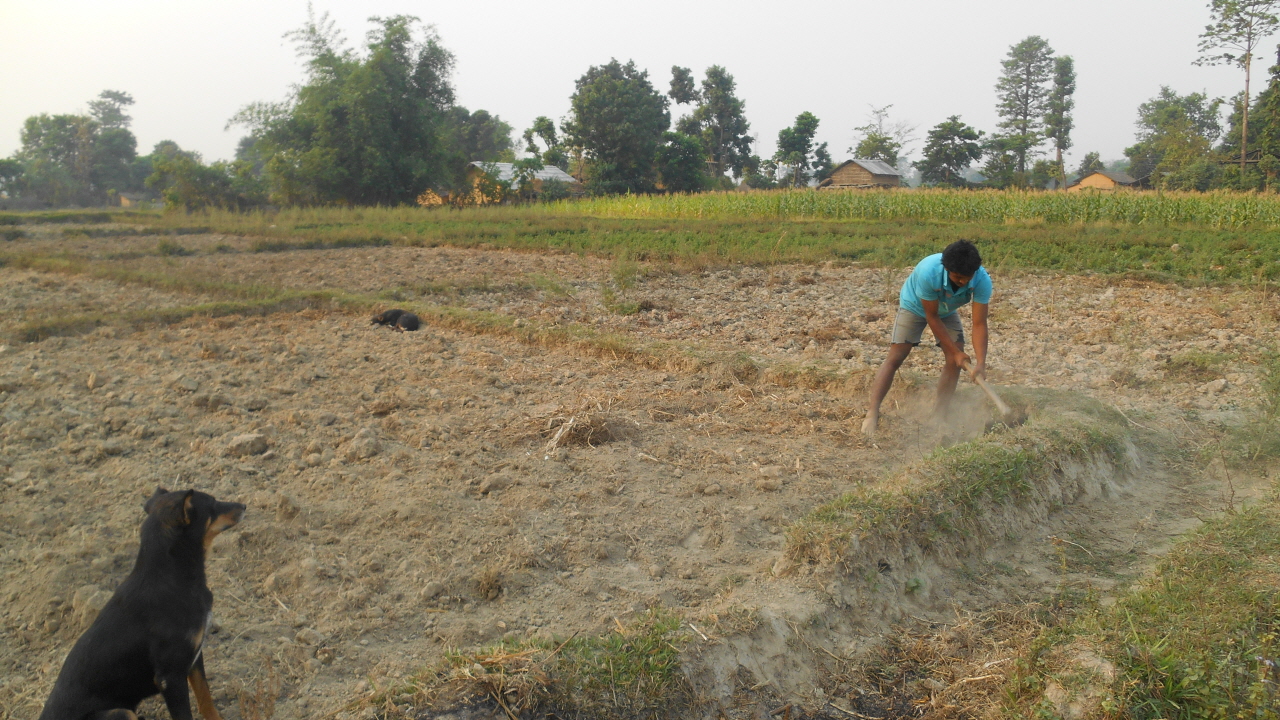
<point>387,318</point>
<point>148,638</point>
<point>400,320</point>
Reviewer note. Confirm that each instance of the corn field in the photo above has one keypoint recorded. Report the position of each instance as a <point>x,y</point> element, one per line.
<point>1220,210</point>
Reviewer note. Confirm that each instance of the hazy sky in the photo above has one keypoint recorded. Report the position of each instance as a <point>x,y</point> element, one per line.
<point>191,64</point>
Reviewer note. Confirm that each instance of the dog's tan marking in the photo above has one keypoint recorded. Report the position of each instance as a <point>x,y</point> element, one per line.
<point>217,525</point>
<point>204,700</point>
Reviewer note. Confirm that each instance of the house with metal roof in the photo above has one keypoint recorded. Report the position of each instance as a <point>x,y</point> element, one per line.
<point>506,172</point>
<point>1104,180</point>
<point>862,173</point>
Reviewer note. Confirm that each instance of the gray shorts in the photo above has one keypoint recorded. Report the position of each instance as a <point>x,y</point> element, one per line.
<point>908,327</point>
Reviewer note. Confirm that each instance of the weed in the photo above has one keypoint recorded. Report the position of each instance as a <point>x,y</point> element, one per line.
<point>551,285</point>
<point>1195,366</point>
<point>10,234</point>
<point>169,247</point>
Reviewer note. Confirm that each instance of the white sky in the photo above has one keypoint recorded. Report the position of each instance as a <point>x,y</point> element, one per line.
<point>190,64</point>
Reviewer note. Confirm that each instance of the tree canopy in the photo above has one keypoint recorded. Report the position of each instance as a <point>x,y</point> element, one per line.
<point>76,159</point>
<point>719,119</point>
<point>796,150</point>
<point>618,119</point>
<point>1175,139</point>
<point>950,148</point>
<point>363,129</point>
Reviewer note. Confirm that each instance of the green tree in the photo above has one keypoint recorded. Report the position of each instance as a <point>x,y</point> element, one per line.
<point>477,135</point>
<point>1057,120</point>
<point>881,139</point>
<point>795,148</point>
<point>722,118</point>
<point>1044,172</point>
<point>760,174</point>
<point>11,172</point>
<point>681,163</point>
<point>1024,97</point>
<point>950,148</point>
<point>1175,140</point>
<point>618,119</point>
<point>186,183</point>
<point>1000,166</point>
<point>362,129</point>
<point>1091,163</point>
<point>555,153</point>
<point>683,90</point>
<point>1236,29</point>
<point>1265,130</point>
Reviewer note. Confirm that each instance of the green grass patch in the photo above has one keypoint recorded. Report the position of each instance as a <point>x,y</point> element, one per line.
<point>949,494</point>
<point>632,672</point>
<point>1256,441</point>
<point>1195,366</point>
<point>171,248</point>
<point>78,217</point>
<point>1206,253</point>
<point>1198,639</point>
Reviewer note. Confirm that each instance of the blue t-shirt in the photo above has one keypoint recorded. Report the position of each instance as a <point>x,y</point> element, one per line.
<point>929,281</point>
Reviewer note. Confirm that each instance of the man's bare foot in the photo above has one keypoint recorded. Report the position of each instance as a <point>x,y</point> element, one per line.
<point>870,423</point>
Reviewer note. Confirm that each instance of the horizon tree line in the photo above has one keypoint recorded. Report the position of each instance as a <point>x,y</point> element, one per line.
<point>380,124</point>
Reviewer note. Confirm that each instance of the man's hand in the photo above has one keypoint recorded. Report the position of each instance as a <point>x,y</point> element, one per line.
<point>979,371</point>
<point>959,359</point>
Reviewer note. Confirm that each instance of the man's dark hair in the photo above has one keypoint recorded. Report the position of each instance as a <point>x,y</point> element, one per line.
<point>962,257</point>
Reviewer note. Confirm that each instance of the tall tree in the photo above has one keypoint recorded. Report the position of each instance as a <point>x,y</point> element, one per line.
<point>1058,121</point>
<point>1236,29</point>
<point>618,119</point>
<point>1024,97</point>
<point>950,148</point>
<point>362,129</point>
<point>795,147</point>
<point>718,120</point>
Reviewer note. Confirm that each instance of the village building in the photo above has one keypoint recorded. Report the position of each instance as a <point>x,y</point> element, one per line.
<point>862,173</point>
<point>128,199</point>
<point>506,172</point>
<point>1104,180</point>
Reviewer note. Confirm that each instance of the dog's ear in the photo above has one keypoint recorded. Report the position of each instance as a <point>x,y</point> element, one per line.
<point>187,506</point>
<point>151,501</point>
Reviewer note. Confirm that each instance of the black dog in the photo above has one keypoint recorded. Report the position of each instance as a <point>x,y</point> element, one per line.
<point>387,318</point>
<point>408,322</point>
<point>148,638</point>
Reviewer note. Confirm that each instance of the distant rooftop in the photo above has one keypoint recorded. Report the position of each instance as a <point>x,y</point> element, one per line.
<point>877,167</point>
<point>506,172</point>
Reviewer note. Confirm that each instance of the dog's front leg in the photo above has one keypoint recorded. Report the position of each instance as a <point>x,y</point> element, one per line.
<point>200,686</point>
<point>176,697</point>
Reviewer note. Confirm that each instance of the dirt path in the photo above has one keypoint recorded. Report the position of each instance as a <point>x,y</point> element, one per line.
<point>408,501</point>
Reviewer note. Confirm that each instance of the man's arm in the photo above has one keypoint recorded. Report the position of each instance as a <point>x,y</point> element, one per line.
<point>949,348</point>
<point>980,339</point>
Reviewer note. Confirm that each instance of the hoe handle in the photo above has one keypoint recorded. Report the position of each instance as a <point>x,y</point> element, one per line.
<point>1004,409</point>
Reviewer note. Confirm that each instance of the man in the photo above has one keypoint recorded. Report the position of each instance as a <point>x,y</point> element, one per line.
<point>940,285</point>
